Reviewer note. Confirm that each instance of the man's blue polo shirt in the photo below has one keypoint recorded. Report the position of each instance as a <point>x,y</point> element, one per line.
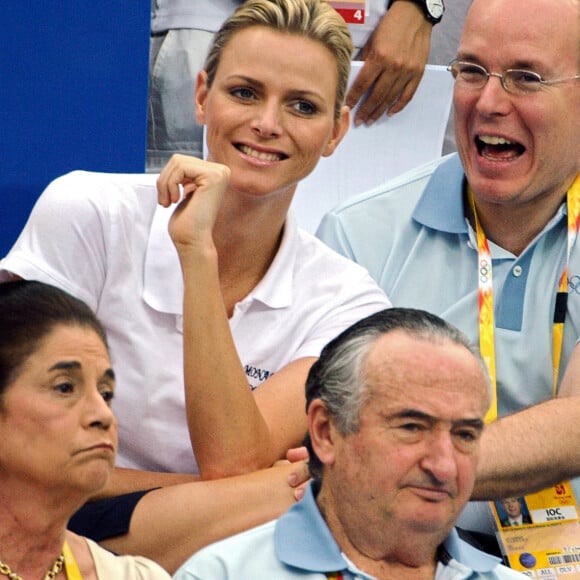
<point>413,237</point>
<point>300,545</point>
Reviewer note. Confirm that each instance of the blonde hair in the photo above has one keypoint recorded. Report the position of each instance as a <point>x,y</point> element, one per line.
<point>314,19</point>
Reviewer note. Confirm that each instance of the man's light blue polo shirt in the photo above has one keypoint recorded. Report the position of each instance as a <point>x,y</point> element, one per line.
<point>300,545</point>
<point>413,237</point>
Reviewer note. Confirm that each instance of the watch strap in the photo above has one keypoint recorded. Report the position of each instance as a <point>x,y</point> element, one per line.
<point>423,4</point>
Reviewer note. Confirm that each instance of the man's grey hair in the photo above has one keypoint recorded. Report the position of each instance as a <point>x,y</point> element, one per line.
<point>338,376</point>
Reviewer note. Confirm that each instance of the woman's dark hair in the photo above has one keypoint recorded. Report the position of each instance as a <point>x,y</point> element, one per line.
<point>29,311</point>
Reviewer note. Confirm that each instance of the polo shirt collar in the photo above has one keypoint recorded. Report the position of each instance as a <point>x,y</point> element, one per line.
<point>302,540</point>
<point>163,281</point>
<point>467,555</point>
<point>311,546</point>
<point>275,288</point>
<point>438,207</point>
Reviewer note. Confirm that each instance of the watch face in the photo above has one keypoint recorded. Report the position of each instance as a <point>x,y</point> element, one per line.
<point>435,8</point>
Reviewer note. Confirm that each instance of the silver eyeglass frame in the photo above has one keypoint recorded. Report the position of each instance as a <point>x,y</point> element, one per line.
<point>504,77</point>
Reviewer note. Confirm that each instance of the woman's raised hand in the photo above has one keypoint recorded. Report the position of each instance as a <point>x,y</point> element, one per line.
<point>198,187</point>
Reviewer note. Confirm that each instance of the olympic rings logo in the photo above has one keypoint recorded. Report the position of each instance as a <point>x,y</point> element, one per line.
<point>574,284</point>
<point>484,269</point>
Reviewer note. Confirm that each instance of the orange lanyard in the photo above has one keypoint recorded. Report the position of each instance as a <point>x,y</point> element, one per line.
<point>485,295</point>
<point>70,564</point>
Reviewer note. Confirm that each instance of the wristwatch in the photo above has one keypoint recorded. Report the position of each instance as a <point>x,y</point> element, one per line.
<point>432,9</point>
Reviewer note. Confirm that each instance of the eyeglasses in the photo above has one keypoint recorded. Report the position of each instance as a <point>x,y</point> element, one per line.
<point>515,81</point>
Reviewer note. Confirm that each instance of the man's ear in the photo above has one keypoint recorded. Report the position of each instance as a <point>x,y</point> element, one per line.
<point>322,432</point>
<point>201,90</point>
<point>338,132</point>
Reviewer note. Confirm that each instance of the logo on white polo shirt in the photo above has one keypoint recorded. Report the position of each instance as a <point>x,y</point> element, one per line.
<point>257,376</point>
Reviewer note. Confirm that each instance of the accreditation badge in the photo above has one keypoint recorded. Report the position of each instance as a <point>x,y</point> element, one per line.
<point>353,12</point>
<point>539,534</point>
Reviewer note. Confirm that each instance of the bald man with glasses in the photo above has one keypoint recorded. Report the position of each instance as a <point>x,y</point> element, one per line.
<point>487,238</point>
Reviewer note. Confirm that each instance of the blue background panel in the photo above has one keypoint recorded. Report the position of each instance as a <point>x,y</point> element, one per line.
<point>73,95</point>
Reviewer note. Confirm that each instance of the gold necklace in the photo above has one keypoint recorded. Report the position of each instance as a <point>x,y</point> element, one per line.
<point>5,570</point>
